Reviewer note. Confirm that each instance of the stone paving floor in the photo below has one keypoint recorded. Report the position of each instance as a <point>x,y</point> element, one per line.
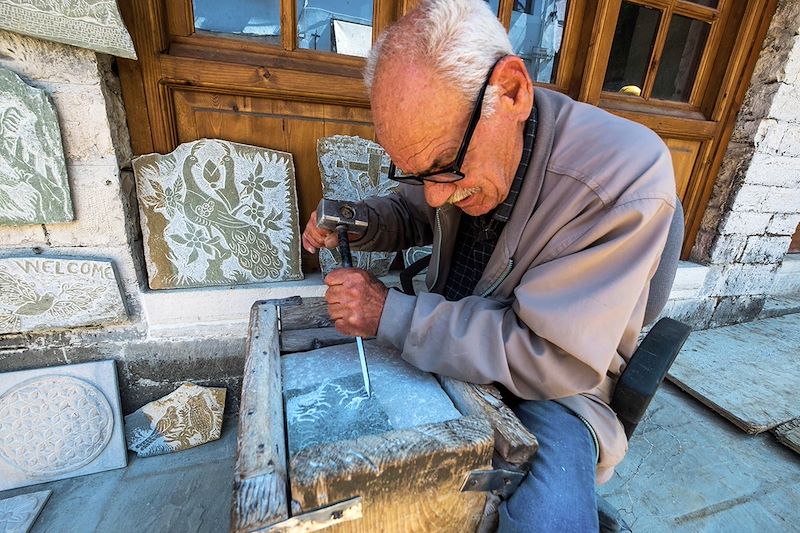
<point>688,470</point>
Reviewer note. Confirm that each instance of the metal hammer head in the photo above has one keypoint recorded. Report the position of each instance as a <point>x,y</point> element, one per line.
<point>334,213</point>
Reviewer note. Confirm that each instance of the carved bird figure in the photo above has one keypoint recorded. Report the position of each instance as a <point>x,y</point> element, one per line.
<point>25,300</point>
<point>201,418</point>
<point>164,426</point>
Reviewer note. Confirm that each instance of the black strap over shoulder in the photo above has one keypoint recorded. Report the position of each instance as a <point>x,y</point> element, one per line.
<point>407,275</point>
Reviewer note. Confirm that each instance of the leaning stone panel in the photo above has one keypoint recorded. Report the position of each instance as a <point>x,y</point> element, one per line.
<point>18,513</point>
<point>59,422</point>
<point>93,24</point>
<point>218,213</point>
<point>353,168</point>
<point>39,293</point>
<point>33,176</point>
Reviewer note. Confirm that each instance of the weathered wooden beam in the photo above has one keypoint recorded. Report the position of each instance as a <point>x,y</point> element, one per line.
<point>301,313</point>
<point>512,440</point>
<point>303,340</point>
<point>260,484</point>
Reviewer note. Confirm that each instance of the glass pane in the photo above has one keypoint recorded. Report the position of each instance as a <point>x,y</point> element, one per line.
<point>536,30</point>
<point>242,17</point>
<point>631,49</point>
<point>494,5</point>
<point>686,41</point>
<point>707,3</point>
<point>343,26</point>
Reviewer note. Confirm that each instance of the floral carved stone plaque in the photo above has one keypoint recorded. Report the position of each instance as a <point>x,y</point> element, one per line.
<point>218,213</point>
<point>59,422</point>
<point>33,176</point>
<point>18,513</point>
<point>39,292</point>
<point>93,24</point>
<point>353,168</point>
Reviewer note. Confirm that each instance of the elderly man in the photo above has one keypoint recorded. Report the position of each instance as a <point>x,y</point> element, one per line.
<point>547,219</point>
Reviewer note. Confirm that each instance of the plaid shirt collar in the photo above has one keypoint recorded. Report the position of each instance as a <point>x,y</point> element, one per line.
<point>503,211</point>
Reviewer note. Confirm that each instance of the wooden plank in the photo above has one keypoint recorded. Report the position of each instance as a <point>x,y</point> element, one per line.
<point>303,340</point>
<point>408,479</point>
<point>748,372</point>
<point>788,434</point>
<point>512,440</point>
<point>259,489</point>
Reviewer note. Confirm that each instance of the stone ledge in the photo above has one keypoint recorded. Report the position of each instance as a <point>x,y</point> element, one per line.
<point>689,280</point>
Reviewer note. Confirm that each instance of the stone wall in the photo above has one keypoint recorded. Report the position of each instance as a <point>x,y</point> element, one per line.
<point>755,205</point>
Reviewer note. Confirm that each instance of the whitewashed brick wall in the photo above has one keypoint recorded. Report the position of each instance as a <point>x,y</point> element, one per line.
<point>755,206</point>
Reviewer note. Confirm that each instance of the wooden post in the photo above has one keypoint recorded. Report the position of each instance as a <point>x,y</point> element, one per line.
<point>259,489</point>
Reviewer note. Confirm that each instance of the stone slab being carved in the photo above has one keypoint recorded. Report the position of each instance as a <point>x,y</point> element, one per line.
<point>18,514</point>
<point>189,416</point>
<point>39,293</point>
<point>33,176</point>
<point>353,168</point>
<point>326,401</point>
<point>59,422</point>
<point>93,24</point>
<point>218,213</point>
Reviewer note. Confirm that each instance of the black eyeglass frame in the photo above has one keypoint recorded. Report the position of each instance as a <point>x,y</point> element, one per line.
<point>452,172</point>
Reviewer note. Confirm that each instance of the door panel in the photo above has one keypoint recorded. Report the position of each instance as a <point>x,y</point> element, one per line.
<point>684,154</point>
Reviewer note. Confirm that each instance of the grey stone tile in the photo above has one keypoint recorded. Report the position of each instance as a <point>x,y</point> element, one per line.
<point>42,292</point>
<point>33,175</point>
<point>96,25</point>
<point>353,168</point>
<point>218,213</point>
<point>59,422</point>
<point>18,513</point>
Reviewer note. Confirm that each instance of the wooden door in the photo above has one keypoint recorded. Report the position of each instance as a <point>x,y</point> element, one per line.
<point>681,68</point>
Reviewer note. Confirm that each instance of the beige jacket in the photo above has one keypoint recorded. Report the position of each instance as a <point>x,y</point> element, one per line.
<point>560,305</point>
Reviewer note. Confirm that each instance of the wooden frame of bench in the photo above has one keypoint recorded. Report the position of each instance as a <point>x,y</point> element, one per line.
<point>261,491</point>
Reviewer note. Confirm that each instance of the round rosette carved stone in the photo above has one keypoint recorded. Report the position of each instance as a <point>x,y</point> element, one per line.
<point>52,425</point>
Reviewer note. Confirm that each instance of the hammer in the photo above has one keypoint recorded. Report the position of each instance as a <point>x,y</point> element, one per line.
<point>345,217</point>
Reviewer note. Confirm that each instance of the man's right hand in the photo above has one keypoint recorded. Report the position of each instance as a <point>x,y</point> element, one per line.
<point>315,238</point>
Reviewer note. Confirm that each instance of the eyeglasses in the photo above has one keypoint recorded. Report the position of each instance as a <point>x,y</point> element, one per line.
<point>452,172</point>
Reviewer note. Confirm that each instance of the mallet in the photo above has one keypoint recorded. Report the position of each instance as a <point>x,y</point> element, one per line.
<point>344,217</point>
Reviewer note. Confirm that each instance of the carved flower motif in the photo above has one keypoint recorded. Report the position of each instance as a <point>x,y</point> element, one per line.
<point>197,241</point>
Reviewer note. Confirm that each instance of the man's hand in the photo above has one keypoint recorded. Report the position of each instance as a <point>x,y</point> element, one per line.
<point>315,238</point>
<point>355,301</point>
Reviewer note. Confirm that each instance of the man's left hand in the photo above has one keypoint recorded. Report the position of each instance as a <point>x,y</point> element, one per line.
<point>355,301</point>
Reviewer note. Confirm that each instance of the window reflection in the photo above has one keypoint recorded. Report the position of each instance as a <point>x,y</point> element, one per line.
<point>686,41</point>
<point>242,17</point>
<point>343,26</point>
<point>537,27</point>
<point>632,47</point>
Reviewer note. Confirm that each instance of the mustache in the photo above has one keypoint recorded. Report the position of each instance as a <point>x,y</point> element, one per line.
<point>461,194</point>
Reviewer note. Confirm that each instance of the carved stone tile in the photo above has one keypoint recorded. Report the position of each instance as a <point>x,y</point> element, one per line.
<point>326,401</point>
<point>38,293</point>
<point>218,213</point>
<point>18,514</point>
<point>33,176</point>
<point>189,416</point>
<point>93,24</point>
<point>353,168</point>
<point>59,422</point>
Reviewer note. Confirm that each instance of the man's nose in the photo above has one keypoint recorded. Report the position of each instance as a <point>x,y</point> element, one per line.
<point>436,194</point>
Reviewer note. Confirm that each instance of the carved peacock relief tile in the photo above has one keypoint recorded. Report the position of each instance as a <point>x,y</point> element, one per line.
<point>218,213</point>
<point>59,422</point>
<point>353,168</point>
<point>33,175</point>
<point>93,24</point>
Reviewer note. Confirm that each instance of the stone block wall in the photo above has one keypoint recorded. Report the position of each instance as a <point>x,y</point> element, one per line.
<point>755,206</point>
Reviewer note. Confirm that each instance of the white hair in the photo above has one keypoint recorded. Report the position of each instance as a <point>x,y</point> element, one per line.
<point>459,39</point>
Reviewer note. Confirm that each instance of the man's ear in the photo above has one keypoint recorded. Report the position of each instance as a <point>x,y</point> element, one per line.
<point>516,88</point>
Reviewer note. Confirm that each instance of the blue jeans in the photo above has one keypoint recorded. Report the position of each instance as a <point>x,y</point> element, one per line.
<point>558,494</point>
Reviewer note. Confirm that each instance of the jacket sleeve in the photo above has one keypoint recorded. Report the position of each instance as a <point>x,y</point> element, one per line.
<point>397,221</point>
<point>557,335</point>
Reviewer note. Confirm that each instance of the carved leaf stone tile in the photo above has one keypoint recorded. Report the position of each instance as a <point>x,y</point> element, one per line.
<point>59,422</point>
<point>93,24</point>
<point>353,168</point>
<point>40,293</point>
<point>189,416</point>
<point>33,176</point>
<point>17,514</point>
<point>218,213</point>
